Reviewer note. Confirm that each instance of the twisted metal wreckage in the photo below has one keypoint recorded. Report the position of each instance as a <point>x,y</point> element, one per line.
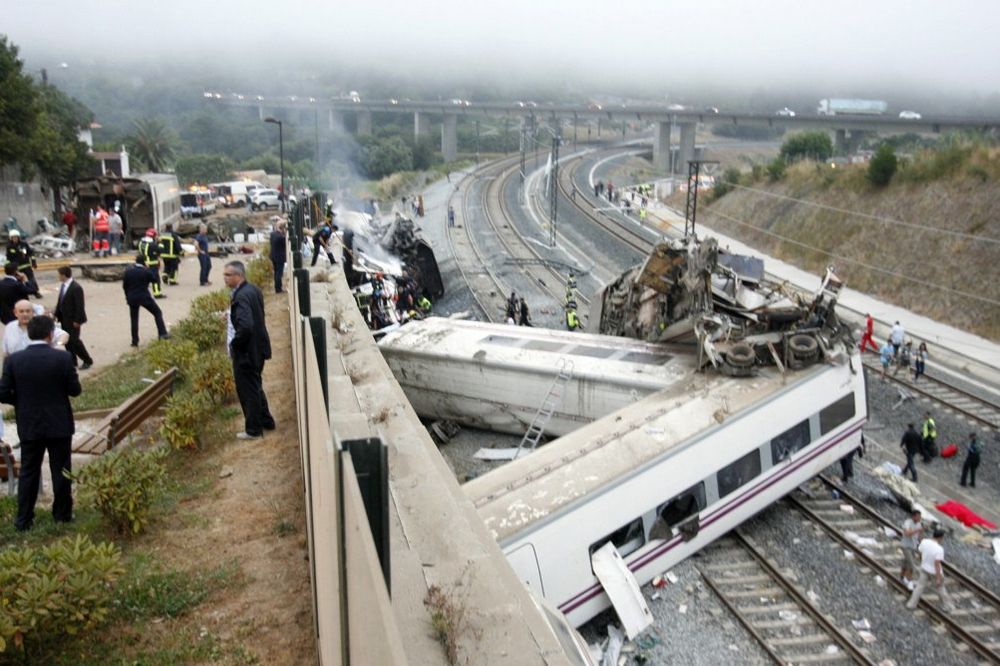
<point>690,290</point>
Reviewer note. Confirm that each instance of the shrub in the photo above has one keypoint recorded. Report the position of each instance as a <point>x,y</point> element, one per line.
<point>776,169</point>
<point>807,145</point>
<point>185,416</point>
<point>59,589</point>
<point>212,375</point>
<point>211,303</point>
<point>260,272</point>
<point>122,485</point>
<point>204,331</point>
<point>724,185</point>
<point>176,352</point>
<point>883,165</point>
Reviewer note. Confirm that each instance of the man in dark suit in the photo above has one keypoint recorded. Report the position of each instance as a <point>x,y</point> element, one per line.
<point>70,312</point>
<point>39,382</point>
<point>278,254</point>
<point>14,287</point>
<point>249,346</point>
<point>138,278</point>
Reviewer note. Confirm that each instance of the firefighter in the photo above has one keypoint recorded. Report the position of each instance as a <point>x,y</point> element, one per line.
<point>171,253</point>
<point>572,321</point>
<point>150,253</point>
<point>22,256</point>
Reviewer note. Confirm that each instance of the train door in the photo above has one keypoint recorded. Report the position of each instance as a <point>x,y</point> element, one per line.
<point>525,563</point>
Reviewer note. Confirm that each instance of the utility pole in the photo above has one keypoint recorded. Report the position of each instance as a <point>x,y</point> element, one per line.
<point>524,146</point>
<point>477,143</point>
<point>554,188</point>
<point>691,208</point>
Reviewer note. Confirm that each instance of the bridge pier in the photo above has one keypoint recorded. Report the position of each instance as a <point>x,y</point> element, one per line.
<point>846,142</point>
<point>686,147</point>
<point>260,112</point>
<point>364,123</point>
<point>449,137</point>
<point>421,124</point>
<point>335,120</point>
<point>661,145</point>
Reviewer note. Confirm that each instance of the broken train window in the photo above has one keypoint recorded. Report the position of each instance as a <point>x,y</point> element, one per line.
<point>795,438</point>
<point>677,512</point>
<point>736,474</point>
<point>627,538</point>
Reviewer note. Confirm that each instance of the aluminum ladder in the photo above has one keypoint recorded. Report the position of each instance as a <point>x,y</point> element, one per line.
<point>552,399</point>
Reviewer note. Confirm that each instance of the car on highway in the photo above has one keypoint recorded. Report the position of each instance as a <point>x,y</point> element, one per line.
<point>785,111</point>
<point>264,199</point>
<point>909,115</point>
<point>354,96</point>
<point>594,106</point>
<point>711,109</point>
<point>394,101</point>
<point>676,107</point>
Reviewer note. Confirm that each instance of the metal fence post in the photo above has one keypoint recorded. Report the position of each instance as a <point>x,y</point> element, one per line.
<point>317,326</point>
<point>301,277</point>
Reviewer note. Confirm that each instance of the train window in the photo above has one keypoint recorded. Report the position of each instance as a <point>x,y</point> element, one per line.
<point>839,412</point>
<point>795,438</point>
<point>627,539</point>
<point>676,511</point>
<point>736,474</point>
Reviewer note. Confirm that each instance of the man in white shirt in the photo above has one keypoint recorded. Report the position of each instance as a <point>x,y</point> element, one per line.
<point>15,335</point>
<point>896,336</point>
<point>931,565</point>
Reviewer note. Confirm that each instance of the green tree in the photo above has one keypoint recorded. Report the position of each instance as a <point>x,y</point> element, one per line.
<point>378,157</point>
<point>56,149</point>
<point>152,144</point>
<point>807,145</point>
<point>201,169</point>
<point>883,166</point>
<point>268,162</point>
<point>18,107</point>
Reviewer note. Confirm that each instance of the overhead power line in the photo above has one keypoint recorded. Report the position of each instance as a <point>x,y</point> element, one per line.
<point>870,216</point>
<point>839,257</point>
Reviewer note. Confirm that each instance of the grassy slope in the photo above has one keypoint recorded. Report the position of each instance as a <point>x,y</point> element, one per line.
<point>963,197</point>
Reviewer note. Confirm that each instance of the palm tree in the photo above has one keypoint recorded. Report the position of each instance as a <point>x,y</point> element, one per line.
<point>152,144</point>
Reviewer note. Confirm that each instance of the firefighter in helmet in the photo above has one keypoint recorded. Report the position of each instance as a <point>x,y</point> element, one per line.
<point>149,250</point>
<point>171,253</point>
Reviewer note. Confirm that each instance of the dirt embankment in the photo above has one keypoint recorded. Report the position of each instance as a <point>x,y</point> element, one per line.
<point>939,264</point>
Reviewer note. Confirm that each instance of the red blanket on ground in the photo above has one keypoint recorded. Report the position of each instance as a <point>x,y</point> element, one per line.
<point>962,513</point>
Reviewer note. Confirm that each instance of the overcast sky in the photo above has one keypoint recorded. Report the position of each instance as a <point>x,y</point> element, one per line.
<point>926,45</point>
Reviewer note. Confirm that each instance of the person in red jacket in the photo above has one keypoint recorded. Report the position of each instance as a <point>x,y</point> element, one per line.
<point>867,339</point>
<point>102,227</point>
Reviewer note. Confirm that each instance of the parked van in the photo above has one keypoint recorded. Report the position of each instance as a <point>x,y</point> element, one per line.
<point>235,192</point>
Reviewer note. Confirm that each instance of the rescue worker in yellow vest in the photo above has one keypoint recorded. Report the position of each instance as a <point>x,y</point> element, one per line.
<point>929,433</point>
<point>424,306</point>
<point>22,256</point>
<point>572,321</point>
<point>171,253</point>
<point>149,250</point>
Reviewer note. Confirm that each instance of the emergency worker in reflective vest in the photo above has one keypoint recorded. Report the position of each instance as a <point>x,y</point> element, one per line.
<point>171,253</point>
<point>149,250</point>
<point>21,255</point>
<point>572,321</point>
<point>102,230</point>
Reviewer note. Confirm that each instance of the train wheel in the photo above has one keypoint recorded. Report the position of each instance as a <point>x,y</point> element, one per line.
<point>802,345</point>
<point>741,355</point>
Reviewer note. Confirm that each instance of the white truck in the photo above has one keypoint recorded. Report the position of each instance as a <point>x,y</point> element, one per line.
<point>851,107</point>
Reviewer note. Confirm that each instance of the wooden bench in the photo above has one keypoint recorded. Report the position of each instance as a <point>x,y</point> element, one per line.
<point>125,418</point>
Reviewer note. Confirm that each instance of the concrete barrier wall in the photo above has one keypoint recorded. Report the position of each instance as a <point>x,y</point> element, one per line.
<point>353,615</point>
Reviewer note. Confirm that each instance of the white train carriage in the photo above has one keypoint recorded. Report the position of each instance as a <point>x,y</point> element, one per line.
<point>664,477</point>
<point>495,376</point>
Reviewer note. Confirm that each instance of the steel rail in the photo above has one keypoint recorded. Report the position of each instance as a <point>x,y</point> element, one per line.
<point>802,601</point>
<point>992,421</point>
<point>949,568</point>
<point>931,609</point>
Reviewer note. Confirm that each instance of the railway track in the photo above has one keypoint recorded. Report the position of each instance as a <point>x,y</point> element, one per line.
<point>789,627</point>
<point>863,531</point>
<point>469,258</point>
<point>973,407</point>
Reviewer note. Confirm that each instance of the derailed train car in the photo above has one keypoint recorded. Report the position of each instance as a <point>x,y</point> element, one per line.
<point>773,393</point>
<point>147,201</point>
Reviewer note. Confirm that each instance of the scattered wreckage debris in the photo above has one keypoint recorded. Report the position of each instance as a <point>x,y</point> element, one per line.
<point>691,291</point>
<point>443,431</point>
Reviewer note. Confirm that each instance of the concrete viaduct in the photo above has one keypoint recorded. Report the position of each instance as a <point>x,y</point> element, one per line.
<point>847,129</point>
